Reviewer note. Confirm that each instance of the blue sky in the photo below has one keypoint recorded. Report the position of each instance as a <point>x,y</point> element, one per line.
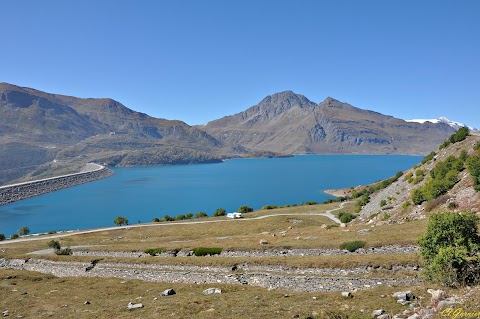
<point>200,60</point>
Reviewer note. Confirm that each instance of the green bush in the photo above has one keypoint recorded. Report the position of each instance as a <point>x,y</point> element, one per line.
<point>311,203</point>
<point>204,251</point>
<point>54,244</point>
<point>219,212</point>
<point>352,246</point>
<point>428,158</point>
<point>65,251</point>
<point>120,220</point>
<point>200,215</point>
<point>383,202</point>
<point>156,219</point>
<point>450,249</point>
<point>24,231</point>
<point>346,217</point>
<point>2,237</point>
<point>52,232</point>
<point>460,135</point>
<point>14,236</point>
<point>269,207</point>
<point>154,251</point>
<point>180,217</point>
<point>168,218</point>
<point>189,215</point>
<point>473,166</point>
<point>245,209</point>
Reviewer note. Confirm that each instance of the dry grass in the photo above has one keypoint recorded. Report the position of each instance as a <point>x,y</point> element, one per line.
<point>280,231</point>
<point>34,295</point>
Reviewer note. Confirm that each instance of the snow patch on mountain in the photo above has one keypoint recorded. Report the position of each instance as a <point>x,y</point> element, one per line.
<point>455,125</point>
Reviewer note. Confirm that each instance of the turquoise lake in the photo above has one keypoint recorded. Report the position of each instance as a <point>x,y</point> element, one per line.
<point>142,193</point>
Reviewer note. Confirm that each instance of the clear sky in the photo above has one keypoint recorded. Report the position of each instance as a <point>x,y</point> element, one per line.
<point>201,60</point>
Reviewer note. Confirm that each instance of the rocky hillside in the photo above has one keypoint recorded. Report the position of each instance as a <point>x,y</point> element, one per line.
<point>290,123</point>
<point>426,187</point>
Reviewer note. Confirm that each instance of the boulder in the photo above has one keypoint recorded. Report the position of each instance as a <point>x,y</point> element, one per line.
<point>384,316</point>
<point>404,295</point>
<point>168,292</point>
<point>414,316</point>
<point>211,291</point>
<point>347,294</point>
<point>377,313</point>
<point>134,305</point>
<point>5,313</point>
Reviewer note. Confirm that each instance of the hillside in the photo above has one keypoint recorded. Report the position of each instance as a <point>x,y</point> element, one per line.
<point>290,123</point>
<point>399,202</point>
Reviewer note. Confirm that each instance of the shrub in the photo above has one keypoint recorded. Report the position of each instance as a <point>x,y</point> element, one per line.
<point>346,217</point>
<point>2,237</point>
<point>450,249</point>
<point>428,158</point>
<point>200,215</point>
<point>311,203</point>
<point>120,220</point>
<point>383,202</point>
<point>433,203</point>
<point>156,219</point>
<point>444,144</point>
<point>54,244</point>
<point>65,251</point>
<point>406,204</point>
<point>219,212</point>
<point>180,217</point>
<point>269,207</point>
<point>473,166</point>
<point>24,231</point>
<point>352,246</point>
<point>452,205</point>
<point>204,251</point>
<point>14,236</point>
<point>154,251</point>
<point>460,135</point>
<point>52,232</point>
<point>168,218</point>
<point>189,215</point>
<point>245,209</point>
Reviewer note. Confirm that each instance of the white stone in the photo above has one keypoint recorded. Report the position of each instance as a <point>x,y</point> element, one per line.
<point>211,291</point>
<point>134,306</point>
<point>347,294</point>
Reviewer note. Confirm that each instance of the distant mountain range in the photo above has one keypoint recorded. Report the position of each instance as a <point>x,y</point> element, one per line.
<point>455,125</point>
<point>42,134</point>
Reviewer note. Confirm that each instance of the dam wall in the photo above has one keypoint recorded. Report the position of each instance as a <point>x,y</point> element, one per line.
<point>16,192</point>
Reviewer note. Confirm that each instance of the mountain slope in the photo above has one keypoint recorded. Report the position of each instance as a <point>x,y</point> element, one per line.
<point>41,127</point>
<point>290,123</point>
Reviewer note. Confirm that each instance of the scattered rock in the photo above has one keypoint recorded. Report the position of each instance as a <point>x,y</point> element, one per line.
<point>347,294</point>
<point>211,291</point>
<point>168,292</point>
<point>263,242</point>
<point>384,316</point>
<point>323,226</point>
<point>86,302</point>
<point>6,313</point>
<point>343,225</point>
<point>134,305</point>
<point>437,295</point>
<point>377,313</point>
<point>414,316</point>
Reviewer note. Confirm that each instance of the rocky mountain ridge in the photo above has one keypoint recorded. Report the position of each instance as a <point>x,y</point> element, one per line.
<point>291,123</point>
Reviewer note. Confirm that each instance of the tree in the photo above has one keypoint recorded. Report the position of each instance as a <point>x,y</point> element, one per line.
<point>189,215</point>
<point>156,220</point>
<point>2,237</point>
<point>14,236</point>
<point>219,212</point>
<point>120,220</point>
<point>245,209</point>
<point>450,249</point>
<point>168,218</point>
<point>23,231</point>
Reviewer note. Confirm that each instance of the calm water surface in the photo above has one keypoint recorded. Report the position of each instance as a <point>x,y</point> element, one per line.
<point>142,193</point>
